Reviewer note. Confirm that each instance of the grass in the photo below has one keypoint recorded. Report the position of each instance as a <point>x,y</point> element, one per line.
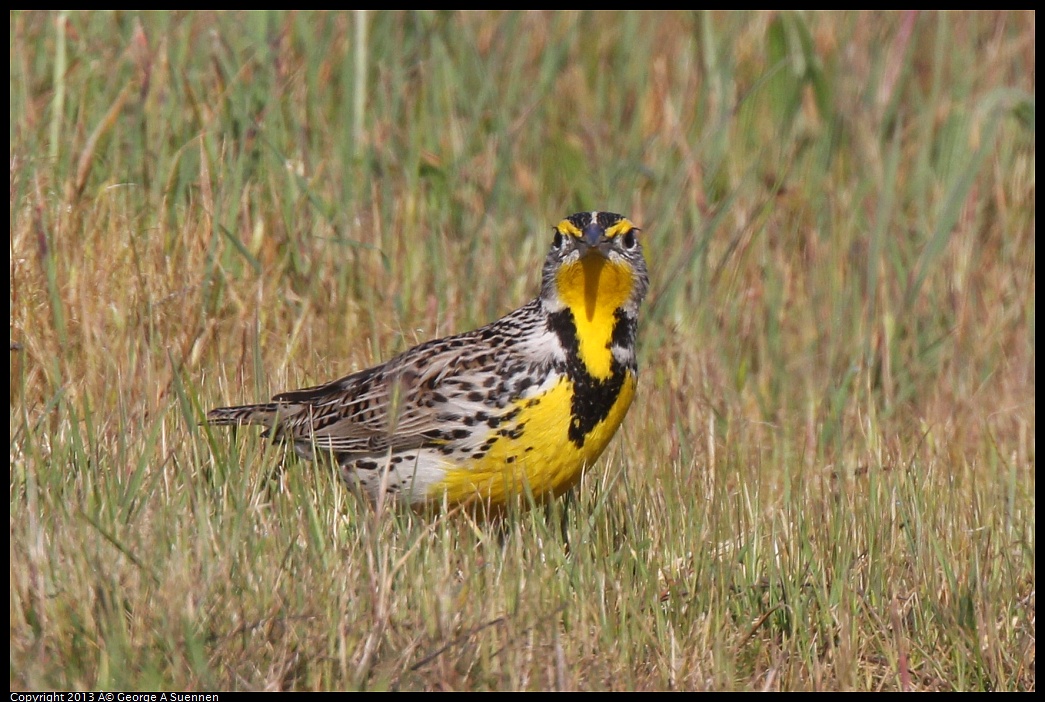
<point>826,482</point>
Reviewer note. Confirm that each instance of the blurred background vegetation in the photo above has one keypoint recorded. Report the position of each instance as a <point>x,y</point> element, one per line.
<point>826,482</point>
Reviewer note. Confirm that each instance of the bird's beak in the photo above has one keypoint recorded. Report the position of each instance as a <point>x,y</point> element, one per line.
<point>593,237</point>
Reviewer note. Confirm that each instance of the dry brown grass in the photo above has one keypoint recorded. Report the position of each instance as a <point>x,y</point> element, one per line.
<point>827,481</point>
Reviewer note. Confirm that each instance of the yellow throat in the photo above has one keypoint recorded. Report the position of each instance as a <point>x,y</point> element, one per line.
<point>594,288</point>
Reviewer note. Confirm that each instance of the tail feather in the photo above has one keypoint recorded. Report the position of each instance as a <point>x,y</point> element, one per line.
<point>262,415</point>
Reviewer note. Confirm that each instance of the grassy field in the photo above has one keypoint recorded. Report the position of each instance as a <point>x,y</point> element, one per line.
<point>827,478</point>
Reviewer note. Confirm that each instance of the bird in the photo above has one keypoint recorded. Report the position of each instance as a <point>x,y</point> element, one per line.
<point>520,407</point>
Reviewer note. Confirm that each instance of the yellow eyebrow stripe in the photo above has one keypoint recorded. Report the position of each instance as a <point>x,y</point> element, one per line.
<point>621,227</point>
<point>567,227</point>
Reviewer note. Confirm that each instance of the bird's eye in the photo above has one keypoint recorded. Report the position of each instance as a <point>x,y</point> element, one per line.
<point>557,241</point>
<point>629,239</point>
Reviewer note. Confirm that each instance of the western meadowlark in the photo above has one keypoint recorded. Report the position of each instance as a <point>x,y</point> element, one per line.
<point>526,403</point>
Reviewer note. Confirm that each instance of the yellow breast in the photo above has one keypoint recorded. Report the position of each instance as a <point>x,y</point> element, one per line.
<point>542,460</point>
